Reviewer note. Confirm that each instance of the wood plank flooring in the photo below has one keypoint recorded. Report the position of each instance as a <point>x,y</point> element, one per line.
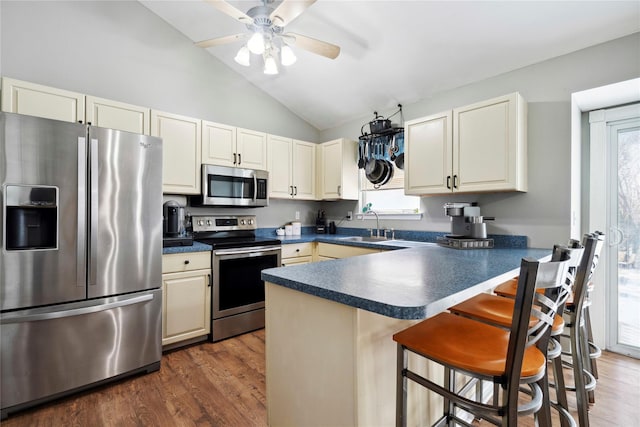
<point>223,384</point>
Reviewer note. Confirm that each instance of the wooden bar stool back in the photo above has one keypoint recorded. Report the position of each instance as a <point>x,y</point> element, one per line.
<point>508,358</point>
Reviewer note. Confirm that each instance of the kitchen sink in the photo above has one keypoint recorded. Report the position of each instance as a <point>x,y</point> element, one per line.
<point>370,239</point>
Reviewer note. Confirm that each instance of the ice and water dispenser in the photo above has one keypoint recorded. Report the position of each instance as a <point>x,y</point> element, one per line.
<point>31,217</point>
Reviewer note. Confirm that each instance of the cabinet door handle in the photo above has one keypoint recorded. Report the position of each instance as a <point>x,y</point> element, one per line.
<point>295,187</point>
<point>209,276</point>
<point>449,182</point>
<point>297,250</point>
<point>455,181</point>
<point>339,190</point>
<point>186,262</point>
<point>291,191</point>
<point>239,159</point>
<point>235,157</point>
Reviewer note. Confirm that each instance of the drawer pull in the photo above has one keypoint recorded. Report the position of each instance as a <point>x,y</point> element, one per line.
<point>186,261</point>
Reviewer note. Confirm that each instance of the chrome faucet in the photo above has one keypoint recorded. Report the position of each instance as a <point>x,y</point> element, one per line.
<point>377,220</point>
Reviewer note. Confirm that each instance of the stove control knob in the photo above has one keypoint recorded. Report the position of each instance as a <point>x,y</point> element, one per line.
<point>200,222</point>
<point>242,222</point>
<point>250,222</point>
<point>208,222</point>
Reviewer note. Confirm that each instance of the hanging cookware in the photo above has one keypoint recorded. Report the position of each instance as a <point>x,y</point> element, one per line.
<point>388,175</point>
<point>400,161</point>
<point>379,124</point>
<point>361,154</point>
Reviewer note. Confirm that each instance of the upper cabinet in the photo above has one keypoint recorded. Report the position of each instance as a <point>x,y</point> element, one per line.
<point>251,147</point>
<point>218,144</point>
<point>477,148</point>
<point>224,145</point>
<point>118,115</point>
<point>292,168</point>
<point>42,101</point>
<point>181,137</point>
<point>338,170</point>
<point>51,103</point>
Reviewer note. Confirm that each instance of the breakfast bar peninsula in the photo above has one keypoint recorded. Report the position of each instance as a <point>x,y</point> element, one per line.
<point>330,357</point>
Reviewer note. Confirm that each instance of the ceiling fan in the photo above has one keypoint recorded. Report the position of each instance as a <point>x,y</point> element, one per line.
<point>267,37</point>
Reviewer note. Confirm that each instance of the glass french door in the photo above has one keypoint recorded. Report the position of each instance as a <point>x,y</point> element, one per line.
<point>624,236</point>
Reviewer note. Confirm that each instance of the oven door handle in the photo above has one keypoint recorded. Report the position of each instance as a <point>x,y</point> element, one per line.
<point>254,250</point>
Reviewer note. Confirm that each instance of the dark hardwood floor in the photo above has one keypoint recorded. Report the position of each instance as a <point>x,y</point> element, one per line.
<point>223,384</point>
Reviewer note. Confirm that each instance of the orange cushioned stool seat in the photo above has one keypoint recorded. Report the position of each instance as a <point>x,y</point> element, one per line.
<point>468,349</point>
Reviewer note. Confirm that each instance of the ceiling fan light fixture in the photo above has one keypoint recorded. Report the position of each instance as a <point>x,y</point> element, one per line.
<point>243,57</point>
<point>256,43</point>
<point>270,65</point>
<point>287,57</point>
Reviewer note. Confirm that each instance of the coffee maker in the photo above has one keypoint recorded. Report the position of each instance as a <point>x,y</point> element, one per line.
<point>173,225</point>
<point>468,227</point>
<point>321,223</point>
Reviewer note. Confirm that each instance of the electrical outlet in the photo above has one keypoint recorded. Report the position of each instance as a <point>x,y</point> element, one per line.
<point>297,214</point>
<point>349,215</point>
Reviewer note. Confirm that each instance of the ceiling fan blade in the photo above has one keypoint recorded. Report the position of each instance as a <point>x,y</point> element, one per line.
<point>225,7</point>
<point>313,45</point>
<point>221,40</point>
<point>289,10</point>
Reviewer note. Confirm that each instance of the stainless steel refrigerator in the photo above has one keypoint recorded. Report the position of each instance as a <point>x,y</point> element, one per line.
<point>80,265</point>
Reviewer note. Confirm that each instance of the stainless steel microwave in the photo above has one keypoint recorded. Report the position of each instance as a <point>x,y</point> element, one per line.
<point>227,186</point>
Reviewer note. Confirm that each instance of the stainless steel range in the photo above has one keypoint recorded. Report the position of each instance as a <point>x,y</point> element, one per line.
<point>238,258</point>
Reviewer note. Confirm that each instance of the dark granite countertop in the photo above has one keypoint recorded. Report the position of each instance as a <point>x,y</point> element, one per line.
<point>197,247</point>
<point>414,283</point>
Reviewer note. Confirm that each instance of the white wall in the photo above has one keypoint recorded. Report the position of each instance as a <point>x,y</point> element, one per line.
<point>120,50</point>
<point>544,212</point>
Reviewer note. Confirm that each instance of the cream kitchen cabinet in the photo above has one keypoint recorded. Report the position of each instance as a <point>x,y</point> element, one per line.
<point>297,253</point>
<point>338,170</point>
<point>186,293</point>
<point>181,145</point>
<point>225,145</point>
<point>292,168</point>
<point>327,251</point>
<point>42,101</point>
<point>118,115</point>
<point>477,148</point>
<point>51,103</point>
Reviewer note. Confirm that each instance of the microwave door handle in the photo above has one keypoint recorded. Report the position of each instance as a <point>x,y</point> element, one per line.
<point>93,232</point>
<point>81,241</point>
<point>255,187</point>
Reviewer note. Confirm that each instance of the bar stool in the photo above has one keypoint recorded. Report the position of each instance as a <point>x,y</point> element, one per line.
<point>592,352</point>
<point>499,311</point>
<point>579,337</point>
<point>508,358</point>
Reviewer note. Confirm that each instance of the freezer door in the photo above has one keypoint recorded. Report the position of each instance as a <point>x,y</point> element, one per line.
<point>58,349</point>
<point>125,251</point>
<point>42,212</point>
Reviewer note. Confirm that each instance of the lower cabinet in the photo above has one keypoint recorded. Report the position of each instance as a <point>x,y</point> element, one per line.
<point>297,253</point>
<point>186,293</point>
<point>326,251</point>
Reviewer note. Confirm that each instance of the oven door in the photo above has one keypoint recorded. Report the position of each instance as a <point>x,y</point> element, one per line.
<point>237,285</point>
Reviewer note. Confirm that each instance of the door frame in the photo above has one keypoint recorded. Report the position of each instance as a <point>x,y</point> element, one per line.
<point>585,214</point>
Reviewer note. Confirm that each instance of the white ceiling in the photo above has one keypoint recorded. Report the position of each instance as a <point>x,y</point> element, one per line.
<point>404,51</point>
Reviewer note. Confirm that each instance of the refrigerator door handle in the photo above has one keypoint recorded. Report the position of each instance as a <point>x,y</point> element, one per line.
<point>81,242</point>
<point>18,318</point>
<point>93,215</point>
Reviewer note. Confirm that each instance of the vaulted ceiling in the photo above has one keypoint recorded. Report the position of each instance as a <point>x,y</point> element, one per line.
<point>403,51</point>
